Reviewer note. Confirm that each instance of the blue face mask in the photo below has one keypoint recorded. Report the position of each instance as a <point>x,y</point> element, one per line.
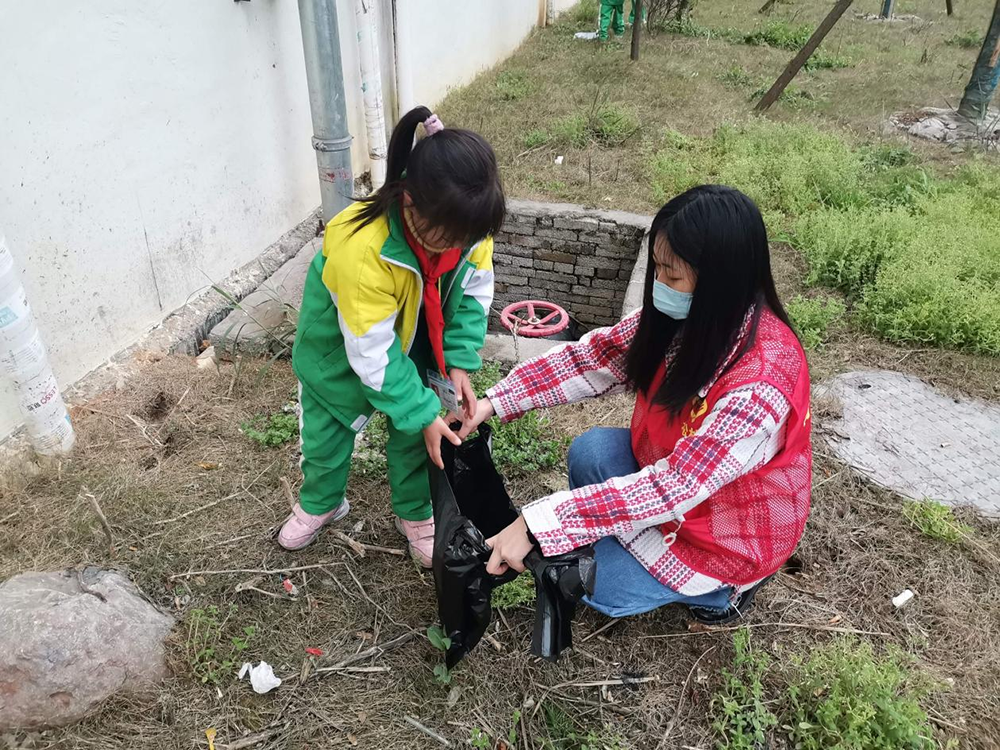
<point>670,302</point>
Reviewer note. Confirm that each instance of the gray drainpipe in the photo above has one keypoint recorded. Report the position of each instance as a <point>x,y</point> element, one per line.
<point>325,76</point>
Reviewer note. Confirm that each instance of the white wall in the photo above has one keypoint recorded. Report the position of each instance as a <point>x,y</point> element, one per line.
<point>146,148</point>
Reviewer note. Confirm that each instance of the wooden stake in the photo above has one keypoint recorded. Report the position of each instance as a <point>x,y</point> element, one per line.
<point>803,56</point>
<point>636,28</point>
<point>951,7</point>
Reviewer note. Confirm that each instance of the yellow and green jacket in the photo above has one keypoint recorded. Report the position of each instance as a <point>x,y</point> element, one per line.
<point>359,316</point>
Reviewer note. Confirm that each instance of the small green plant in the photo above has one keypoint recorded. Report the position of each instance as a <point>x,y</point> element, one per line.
<point>272,431</point>
<point>608,125</point>
<point>480,740</point>
<point>740,716</point>
<point>968,39</point>
<point>442,643</point>
<point>211,655</point>
<point>935,520</point>
<point>488,376</point>
<point>527,445</point>
<point>518,592</point>
<point>513,85</point>
<point>737,77</point>
<point>564,734</point>
<point>686,27</point>
<point>844,697</point>
<point>536,138</point>
<point>812,318</point>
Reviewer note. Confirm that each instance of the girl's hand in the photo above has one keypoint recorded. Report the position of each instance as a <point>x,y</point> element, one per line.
<point>466,395</point>
<point>484,411</point>
<point>510,547</point>
<point>433,434</point>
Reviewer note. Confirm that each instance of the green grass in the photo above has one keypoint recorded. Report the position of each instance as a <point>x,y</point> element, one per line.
<point>607,125</point>
<point>737,77</point>
<point>369,452</point>
<point>936,521</point>
<point>918,256</point>
<point>812,317</point>
<point>566,733</point>
<point>513,85</point>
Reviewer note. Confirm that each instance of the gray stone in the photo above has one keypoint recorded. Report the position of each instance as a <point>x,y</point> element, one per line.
<point>905,435</point>
<point>69,641</point>
<point>265,319</point>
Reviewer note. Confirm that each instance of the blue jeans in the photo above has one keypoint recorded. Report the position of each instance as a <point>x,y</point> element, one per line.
<point>624,587</point>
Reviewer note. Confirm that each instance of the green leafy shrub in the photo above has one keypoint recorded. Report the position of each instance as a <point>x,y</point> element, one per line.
<point>935,520</point>
<point>585,13</point>
<point>812,318</point>
<point>741,718</point>
<point>272,431</point>
<point>513,85</point>
<point>844,697</point>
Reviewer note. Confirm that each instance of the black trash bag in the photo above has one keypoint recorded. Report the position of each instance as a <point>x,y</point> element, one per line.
<point>471,505</point>
<point>560,582</point>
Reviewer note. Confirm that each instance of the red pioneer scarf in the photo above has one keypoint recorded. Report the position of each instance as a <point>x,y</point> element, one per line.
<point>432,267</point>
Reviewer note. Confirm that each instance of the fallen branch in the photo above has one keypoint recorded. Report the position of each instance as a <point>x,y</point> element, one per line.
<point>372,652</point>
<point>609,683</point>
<point>361,670</point>
<point>253,739</point>
<point>429,732</point>
<point>600,630</point>
<point>804,626</point>
<point>251,571</point>
<point>100,516</point>
<point>680,703</point>
<point>360,548</point>
<point>199,509</point>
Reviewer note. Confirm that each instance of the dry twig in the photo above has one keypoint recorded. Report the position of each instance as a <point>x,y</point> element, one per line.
<point>429,732</point>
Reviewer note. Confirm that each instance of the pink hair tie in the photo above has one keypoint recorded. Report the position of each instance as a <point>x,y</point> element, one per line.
<point>433,125</point>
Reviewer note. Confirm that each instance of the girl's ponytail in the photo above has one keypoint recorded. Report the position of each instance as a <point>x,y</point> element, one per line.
<point>452,179</point>
<point>401,142</point>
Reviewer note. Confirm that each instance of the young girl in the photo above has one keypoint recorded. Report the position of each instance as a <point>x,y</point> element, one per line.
<point>401,291</point>
<point>707,495</point>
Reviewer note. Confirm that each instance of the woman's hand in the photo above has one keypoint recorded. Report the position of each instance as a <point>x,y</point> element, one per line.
<point>433,434</point>
<point>464,391</point>
<point>510,547</point>
<point>484,410</point>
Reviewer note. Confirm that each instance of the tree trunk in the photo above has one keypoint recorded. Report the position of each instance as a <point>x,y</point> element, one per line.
<point>887,8</point>
<point>683,8</point>
<point>951,6</point>
<point>804,54</point>
<point>985,76</point>
<point>766,7</point>
<point>637,27</point>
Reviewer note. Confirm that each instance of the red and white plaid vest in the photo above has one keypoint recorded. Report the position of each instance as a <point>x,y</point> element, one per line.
<point>750,527</point>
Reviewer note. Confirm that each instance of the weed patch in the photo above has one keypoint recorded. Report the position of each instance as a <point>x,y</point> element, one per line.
<point>517,593</point>
<point>845,697</point>
<point>272,431</point>
<point>742,719</point>
<point>607,125</point>
<point>935,520</point>
<point>968,39</point>
<point>513,85</point>
<point>812,317</point>
<point>212,652</point>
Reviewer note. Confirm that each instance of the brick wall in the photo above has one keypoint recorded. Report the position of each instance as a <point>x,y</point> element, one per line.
<point>579,258</point>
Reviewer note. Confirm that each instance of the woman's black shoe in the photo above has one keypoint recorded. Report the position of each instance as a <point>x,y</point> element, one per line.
<point>737,609</point>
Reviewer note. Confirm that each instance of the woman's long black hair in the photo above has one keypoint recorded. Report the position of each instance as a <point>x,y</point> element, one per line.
<point>452,178</point>
<point>720,233</point>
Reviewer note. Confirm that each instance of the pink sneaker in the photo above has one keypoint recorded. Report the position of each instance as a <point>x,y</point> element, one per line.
<point>301,528</point>
<point>420,538</point>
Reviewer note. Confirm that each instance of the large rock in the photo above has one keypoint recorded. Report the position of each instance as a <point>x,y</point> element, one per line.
<point>70,640</point>
<point>265,319</point>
